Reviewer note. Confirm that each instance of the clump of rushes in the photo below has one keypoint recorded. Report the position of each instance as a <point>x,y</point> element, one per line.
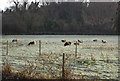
<point>30,72</point>
<point>67,74</point>
<point>25,73</point>
<point>6,70</point>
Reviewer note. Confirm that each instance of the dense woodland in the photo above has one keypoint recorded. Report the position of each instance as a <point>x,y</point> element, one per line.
<point>61,18</point>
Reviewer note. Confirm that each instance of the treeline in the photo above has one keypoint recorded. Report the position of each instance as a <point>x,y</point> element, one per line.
<point>60,18</point>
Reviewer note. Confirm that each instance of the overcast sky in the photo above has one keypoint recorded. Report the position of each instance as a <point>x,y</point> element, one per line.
<point>3,4</point>
<point>6,3</point>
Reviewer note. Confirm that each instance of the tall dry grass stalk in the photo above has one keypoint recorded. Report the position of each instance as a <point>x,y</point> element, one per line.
<point>105,58</point>
<point>93,58</point>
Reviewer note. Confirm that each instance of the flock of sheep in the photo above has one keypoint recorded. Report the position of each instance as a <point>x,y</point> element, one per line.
<point>66,43</point>
<point>30,43</point>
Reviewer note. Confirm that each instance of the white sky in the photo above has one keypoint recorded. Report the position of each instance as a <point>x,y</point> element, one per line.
<point>6,3</point>
<point>3,4</point>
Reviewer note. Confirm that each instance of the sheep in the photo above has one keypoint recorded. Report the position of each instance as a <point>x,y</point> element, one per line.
<point>95,40</point>
<point>67,43</point>
<point>63,40</point>
<point>77,43</point>
<point>31,43</point>
<point>14,40</point>
<point>104,41</point>
<point>80,41</point>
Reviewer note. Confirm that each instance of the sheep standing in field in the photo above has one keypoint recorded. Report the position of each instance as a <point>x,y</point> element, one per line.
<point>77,43</point>
<point>31,43</point>
<point>104,41</point>
<point>63,40</point>
<point>67,44</point>
<point>14,40</point>
<point>80,41</point>
<point>95,40</point>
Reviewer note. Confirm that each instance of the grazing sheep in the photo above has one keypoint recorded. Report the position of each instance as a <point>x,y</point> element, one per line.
<point>63,40</point>
<point>104,41</point>
<point>80,41</point>
<point>67,43</point>
<point>14,40</point>
<point>31,43</point>
<point>77,43</point>
<point>95,40</point>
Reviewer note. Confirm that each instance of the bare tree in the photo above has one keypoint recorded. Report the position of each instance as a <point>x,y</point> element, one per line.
<point>16,2</point>
<point>25,2</point>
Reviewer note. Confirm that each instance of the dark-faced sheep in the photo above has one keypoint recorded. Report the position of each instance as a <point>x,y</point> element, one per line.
<point>31,43</point>
<point>63,40</point>
<point>95,40</point>
<point>80,41</point>
<point>77,43</point>
<point>67,43</point>
<point>104,41</point>
<point>14,40</point>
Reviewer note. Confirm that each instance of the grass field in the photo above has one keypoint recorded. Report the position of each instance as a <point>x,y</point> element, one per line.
<point>95,60</point>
